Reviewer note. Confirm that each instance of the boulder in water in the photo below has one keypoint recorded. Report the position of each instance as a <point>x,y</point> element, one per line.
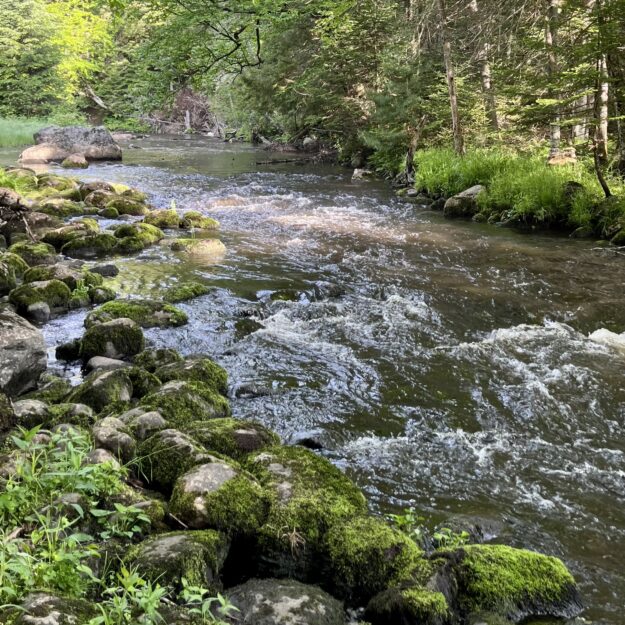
<point>57,144</point>
<point>75,161</point>
<point>463,204</point>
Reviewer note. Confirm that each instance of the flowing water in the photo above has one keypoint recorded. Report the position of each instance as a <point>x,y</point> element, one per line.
<point>444,365</point>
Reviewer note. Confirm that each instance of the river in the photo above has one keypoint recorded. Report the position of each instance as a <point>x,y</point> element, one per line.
<point>444,365</point>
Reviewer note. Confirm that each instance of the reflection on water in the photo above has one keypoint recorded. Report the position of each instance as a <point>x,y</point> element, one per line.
<point>442,364</point>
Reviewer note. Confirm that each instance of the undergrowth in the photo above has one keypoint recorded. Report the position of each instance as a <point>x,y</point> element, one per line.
<point>54,518</point>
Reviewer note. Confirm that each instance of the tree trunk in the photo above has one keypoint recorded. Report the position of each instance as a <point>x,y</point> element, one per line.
<point>551,42</point>
<point>601,143</point>
<point>451,81</point>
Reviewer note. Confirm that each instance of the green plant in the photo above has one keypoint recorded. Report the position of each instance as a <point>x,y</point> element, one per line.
<point>122,522</point>
<point>200,603</point>
<point>446,538</point>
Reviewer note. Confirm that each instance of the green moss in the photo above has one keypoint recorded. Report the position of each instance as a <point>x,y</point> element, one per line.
<point>8,280</point>
<point>232,437</point>
<point>34,253</point>
<point>92,279</point>
<point>52,389</point>
<point>185,291</point>
<point>498,578</point>
<point>143,382</point>
<point>92,246</point>
<point>14,262</point>
<point>163,218</point>
<point>99,198</point>
<point>408,605</point>
<point>113,340</point>
<point>237,507</point>
<point>60,183</point>
<point>366,556</point>
<point>101,294</point>
<point>70,413</point>
<point>127,206</point>
<point>87,188</point>
<point>198,556</point>
<point>62,208</point>
<point>152,359</point>
<point>135,195</point>
<point>196,369</point>
<point>109,212</point>
<point>285,295</point>
<point>147,233</point>
<point>310,496</point>
<point>194,219</point>
<point>100,390</point>
<point>53,292</point>
<point>180,403</point>
<point>147,313</point>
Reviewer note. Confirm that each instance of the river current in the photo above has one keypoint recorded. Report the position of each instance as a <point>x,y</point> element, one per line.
<point>444,365</point>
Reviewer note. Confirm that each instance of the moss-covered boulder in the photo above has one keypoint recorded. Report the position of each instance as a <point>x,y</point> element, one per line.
<point>143,424</point>
<point>108,213</point>
<point>136,237</point>
<point>8,279</point>
<point>101,294</point>
<point>128,206</point>
<point>273,602</point>
<point>79,415</point>
<point>309,496</point>
<point>58,183</point>
<point>51,389</point>
<point>185,291</point>
<point>54,293</point>
<point>86,188</point>
<point>62,208</point>
<point>34,253</point>
<point>103,389</point>
<point>197,556</point>
<point>195,219</point>
<point>119,338</point>
<point>168,454</point>
<point>412,605</point>
<point>71,277</point>
<point>30,413</point>
<point>133,194</point>
<point>232,437</point>
<point>60,236</point>
<point>153,359</point>
<point>201,251</point>
<point>146,313</point>
<point>196,369</point>
<point>514,583</point>
<point>100,198</point>
<point>365,556</point>
<point>91,246</point>
<point>111,434</point>
<point>163,218</point>
<point>14,262</point>
<point>44,608</point>
<point>143,382</point>
<point>181,403</point>
<point>219,495</point>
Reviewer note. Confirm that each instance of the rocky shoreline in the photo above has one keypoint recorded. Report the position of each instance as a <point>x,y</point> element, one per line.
<point>218,504</point>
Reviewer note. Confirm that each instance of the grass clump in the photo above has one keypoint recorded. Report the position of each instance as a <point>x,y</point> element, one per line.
<point>18,131</point>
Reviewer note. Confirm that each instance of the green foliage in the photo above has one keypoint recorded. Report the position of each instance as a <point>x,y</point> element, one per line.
<point>199,603</point>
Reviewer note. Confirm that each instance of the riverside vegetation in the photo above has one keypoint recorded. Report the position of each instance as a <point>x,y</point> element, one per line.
<point>135,497</point>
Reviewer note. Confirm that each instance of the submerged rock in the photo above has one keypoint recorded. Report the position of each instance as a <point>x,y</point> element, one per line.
<point>23,355</point>
<point>185,291</point>
<point>146,313</point>
<point>75,161</point>
<point>204,251</point>
<point>278,602</point>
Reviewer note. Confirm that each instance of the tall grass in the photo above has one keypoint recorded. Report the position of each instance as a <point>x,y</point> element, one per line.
<point>18,131</point>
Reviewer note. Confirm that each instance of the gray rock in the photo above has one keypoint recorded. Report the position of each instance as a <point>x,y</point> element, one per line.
<point>39,312</point>
<point>115,339</point>
<point>110,434</point>
<point>102,362</point>
<point>463,204</point>
<point>108,270</point>
<point>47,609</point>
<point>56,144</point>
<point>146,424</point>
<point>100,389</point>
<point>100,456</point>
<point>30,412</point>
<point>22,354</point>
<point>285,602</point>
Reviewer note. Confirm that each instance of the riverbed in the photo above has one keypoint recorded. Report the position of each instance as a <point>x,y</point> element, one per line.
<point>444,365</point>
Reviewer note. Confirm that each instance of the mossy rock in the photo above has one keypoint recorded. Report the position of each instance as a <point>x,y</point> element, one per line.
<point>166,455</point>
<point>110,433</point>
<point>127,206</point>
<point>195,219</point>
<point>135,195</point>
<point>153,359</point>
<point>91,246</point>
<point>59,183</point>
<point>34,253</point>
<point>232,437</point>
<point>143,382</point>
<point>108,213</point>
<point>86,188</point>
<point>15,262</point>
<point>285,295</point>
<point>136,237</point>
<point>202,251</point>
<point>52,389</point>
<point>60,236</point>
<point>62,208</point>
<point>7,415</point>
<point>147,313</point>
<point>92,279</point>
<point>100,198</point>
<point>8,279</point>
<point>219,495</point>
<point>163,218</point>
<point>80,415</point>
<point>182,402</point>
<point>408,606</point>
<point>43,607</point>
<point>119,338</point>
<point>310,496</point>
<point>102,389</point>
<point>54,293</point>
<point>185,291</point>
<point>365,556</point>
<point>514,583</point>
<point>101,294</point>
<point>197,556</point>
<point>196,369</point>
<point>64,273</point>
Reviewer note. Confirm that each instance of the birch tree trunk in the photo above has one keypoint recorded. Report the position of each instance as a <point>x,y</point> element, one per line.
<point>551,42</point>
<point>451,81</point>
<point>602,97</point>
